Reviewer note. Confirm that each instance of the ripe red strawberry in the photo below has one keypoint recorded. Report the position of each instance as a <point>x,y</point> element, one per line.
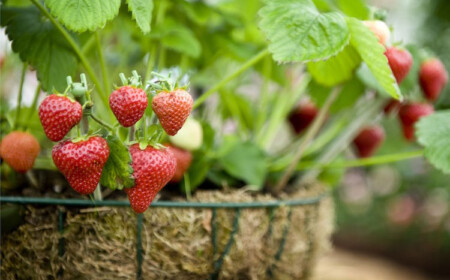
<point>172,109</point>
<point>303,116</point>
<point>432,77</point>
<point>400,61</point>
<point>409,114</point>
<point>153,169</point>
<point>368,140</point>
<point>380,29</point>
<point>19,150</point>
<point>58,114</point>
<point>392,105</point>
<point>183,158</point>
<point>81,162</point>
<point>128,104</point>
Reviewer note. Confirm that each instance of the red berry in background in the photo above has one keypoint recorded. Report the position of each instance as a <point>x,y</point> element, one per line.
<point>152,170</point>
<point>391,106</point>
<point>172,109</point>
<point>400,61</point>
<point>183,158</point>
<point>409,114</point>
<point>58,114</point>
<point>432,78</point>
<point>380,29</point>
<point>81,162</point>
<point>19,150</point>
<point>368,140</point>
<point>128,104</point>
<point>303,116</point>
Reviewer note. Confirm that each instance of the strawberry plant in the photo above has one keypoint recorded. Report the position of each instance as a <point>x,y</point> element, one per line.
<point>212,90</point>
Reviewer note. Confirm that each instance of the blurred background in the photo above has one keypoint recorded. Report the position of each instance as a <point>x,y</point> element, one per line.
<point>399,213</point>
<point>392,221</point>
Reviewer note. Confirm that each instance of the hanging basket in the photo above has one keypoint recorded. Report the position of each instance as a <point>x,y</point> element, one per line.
<point>216,235</point>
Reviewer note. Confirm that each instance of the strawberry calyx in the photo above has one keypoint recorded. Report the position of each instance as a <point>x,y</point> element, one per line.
<point>81,138</point>
<point>133,81</point>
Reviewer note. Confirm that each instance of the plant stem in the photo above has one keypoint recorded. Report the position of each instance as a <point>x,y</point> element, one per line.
<point>98,193</point>
<point>34,103</point>
<point>150,63</point>
<point>364,113</point>
<point>102,63</point>
<point>19,95</point>
<point>310,134</point>
<point>76,49</point>
<point>252,61</point>
<point>264,100</point>
<point>131,133</point>
<point>360,162</point>
<point>107,126</point>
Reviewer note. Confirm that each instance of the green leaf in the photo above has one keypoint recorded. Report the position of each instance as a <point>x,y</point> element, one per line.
<point>142,13</point>
<point>117,172</point>
<point>245,161</point>
<point>433,132</point>
<point>198,170</point>
<point>297,31</point>
<point>39,43</point>
<point>336,69</point>
<point>175,36</point>
<point>351,92</point>
<point>80,16</point>
<point>372,53</point>
<point>354,8</point>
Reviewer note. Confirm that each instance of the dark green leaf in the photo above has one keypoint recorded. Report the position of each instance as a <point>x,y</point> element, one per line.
<point>245,161</point>
<point>117,172</point>
<point>297,31</point>
<point>83,15</point>
<point>39,43</point>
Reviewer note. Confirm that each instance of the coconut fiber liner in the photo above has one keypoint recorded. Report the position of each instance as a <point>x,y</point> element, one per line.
<point>100,243</point>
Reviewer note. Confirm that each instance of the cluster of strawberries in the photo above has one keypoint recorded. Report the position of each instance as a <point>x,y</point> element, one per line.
<point>432,79</point>
<point>81,160</point>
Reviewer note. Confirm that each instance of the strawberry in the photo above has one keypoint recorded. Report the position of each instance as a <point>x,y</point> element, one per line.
<point>58,114</point>
<point>380,29</point>
<point>19,150</point>
<point>128,104</point>
<point>153,169</point>
<point>409,114</point>
<point>81,162</point>
<point>368,140</point>
<point>432,77</point>
<point>400,61</point>
<point>172,109</point>
<point>303,116</point>
<point>183,158</point>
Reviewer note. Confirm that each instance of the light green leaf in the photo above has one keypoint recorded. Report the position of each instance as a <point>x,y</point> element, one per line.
<point>351,92</point>
<point>117,172</point>
<point>84,15</point>
<point>433,132</point>
<point>372,53</point>
<point>142,13</point>
<point>354,8</point>
<point>177,37</point>
<point>336,69</point>
<point>39,43</point>
<point>245,161</point>
<point>297,31</point>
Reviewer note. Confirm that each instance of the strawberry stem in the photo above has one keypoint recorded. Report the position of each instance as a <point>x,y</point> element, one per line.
<point>19,96</point>
<point>33,105</point>
<point>310,134</point>
<point>123,79</point>
<point>102,62</point>
<point>102,123</point>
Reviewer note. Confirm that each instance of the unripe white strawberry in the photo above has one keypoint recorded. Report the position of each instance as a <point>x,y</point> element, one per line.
<point>380,29</point>
<point>190,136</point>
